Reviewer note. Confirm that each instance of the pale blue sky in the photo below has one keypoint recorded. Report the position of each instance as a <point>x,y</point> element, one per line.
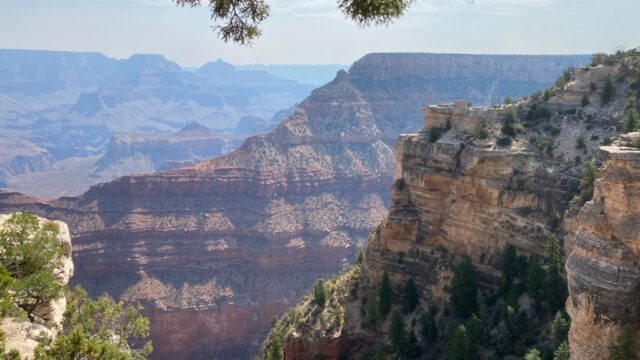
<point>314,32</point>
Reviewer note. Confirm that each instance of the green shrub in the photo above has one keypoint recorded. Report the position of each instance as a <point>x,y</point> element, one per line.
<point>504,141</point>
<point>99,330</point>
<point>580,144</point>
<point>585,100</point>
<point>508,121</point>
<point>30,254</point>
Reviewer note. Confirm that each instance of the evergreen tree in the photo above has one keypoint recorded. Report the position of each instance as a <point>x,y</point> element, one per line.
<point>560,328</point>
<point>31,253</point>
<point>624,347</point>
<point>428,327</point>
<point>507,331</point>
<point>509,267</point>
<point>99,330</point>
<point>508,121</point>
<point>318,293</point>
<point>474,333</point>
<point>360,257</point>
<point>458,347</point>
<point>398,333</point>
<point>585,100</point>
<point>372,312</point>
<point>410,298</point>
<point>384,295</point>
<point>589,175</point>
<point>608,91</point>
<point>555,285</point>
<point>238,21</point>
<point>7,306</point>
<point>631,121</point>
<point>535,283</point>
<point>562,352</point>
<point>552,254</point>
<point>464,289</point>
<point>412,349</point>
<point>533,354</point>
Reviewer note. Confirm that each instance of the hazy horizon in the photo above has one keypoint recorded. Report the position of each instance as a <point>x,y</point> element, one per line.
<point>195,66</point>
<point>119,28</point>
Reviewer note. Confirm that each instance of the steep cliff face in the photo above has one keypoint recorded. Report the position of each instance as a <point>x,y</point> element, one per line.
<point>216,249</point>
<point>603,270</point>
<point>461,193</point>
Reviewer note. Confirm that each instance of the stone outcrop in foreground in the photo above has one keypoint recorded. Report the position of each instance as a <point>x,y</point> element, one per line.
<point>603,270</point>
<point>23,335</point>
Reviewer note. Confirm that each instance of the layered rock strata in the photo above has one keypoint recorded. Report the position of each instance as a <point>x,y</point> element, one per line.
<point>603,270</point>
<point>217,249</point>
<point>459,193</point>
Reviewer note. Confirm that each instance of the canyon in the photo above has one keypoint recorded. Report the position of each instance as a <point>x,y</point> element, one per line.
<point>461,192</point>
<point>214,250</point>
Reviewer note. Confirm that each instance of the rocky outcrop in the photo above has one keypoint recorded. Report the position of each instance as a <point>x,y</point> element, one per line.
<point>603,271</point>
<point>459,193</point>
<point>23,335</point>
<point>217,249</point>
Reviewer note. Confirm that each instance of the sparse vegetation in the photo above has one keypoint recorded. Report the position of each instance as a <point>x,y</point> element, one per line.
<point>580,144</point>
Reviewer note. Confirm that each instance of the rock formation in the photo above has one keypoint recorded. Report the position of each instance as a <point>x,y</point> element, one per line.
<point>23,335</point>
<point>215,250</point>
<point>460,191</point>
<point>603,270</point>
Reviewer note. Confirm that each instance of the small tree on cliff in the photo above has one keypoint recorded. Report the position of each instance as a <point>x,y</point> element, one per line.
<point>410,298</point>
<point>99,330</point>
<point>397,333</point>
<point>555,285</point>
<point>318,293</point>
<point>510,268</point>
<point>428,327</point>
<point>31,253</point>
<point>464,289</point>
<point>384,295</point>
<point>608,91</point>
